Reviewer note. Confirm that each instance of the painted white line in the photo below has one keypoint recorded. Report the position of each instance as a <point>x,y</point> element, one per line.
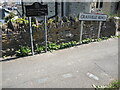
<point>92,76</point>
<point>67,75</point>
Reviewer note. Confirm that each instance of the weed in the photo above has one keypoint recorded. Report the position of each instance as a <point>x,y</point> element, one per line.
<point>23,51</point>
<point>39,48</point>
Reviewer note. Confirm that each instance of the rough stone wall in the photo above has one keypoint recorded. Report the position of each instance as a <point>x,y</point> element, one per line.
<point>110,7</point>
<point>12,40</point>
<point>113,7</point>
<point>119,9</point>
<point>57,32</point>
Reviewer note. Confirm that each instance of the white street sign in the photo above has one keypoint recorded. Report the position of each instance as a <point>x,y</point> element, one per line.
<point>92,17</point>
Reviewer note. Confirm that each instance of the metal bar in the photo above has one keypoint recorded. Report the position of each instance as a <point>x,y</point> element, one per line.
<point>81,31</point>
<point>31,37</point>
<point>117,26</point>
<point>45,27</point>
<point>100,23</point>
<point>56,10</point>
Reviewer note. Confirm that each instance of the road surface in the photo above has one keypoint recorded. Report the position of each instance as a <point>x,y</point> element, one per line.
<point>76,67</point>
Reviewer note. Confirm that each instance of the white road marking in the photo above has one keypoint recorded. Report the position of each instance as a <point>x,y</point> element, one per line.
<point>67,75</point>
<point>92,76</point>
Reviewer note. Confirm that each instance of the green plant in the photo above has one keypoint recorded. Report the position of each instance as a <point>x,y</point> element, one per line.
<point>73,43</point>
<point>87,40</point>
<point>21,21</point>
<point>114,85</point>
<point>23,51</point>
<point>34,25</point>
<point>77,18</point>
<point>57,19</point>
<point>53,46</point>
<point>68,44</point>
<point>112,36</point>
<point>39,48</point>
<point>64,45</point>
<point>99,39</point>
<point>118,36</point>
<point>9,17</point>
<point>104,38</point>
<point>65,19</point>
<point>50,21</point>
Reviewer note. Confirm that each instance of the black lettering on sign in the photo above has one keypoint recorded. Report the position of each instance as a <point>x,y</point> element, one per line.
<point>93,17</point>
<point>100,17</point>
<point>82,16</point>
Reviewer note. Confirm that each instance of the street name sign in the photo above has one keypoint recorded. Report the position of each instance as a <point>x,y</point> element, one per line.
<point>36,9</point>
<point>92,17</point>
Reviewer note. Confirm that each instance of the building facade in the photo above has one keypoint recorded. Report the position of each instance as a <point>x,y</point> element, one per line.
<point>64,8</point>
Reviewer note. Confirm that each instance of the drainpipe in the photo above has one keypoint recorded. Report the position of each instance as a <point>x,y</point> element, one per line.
<point>3,13</point>
<point>62,9</point>
<point>65,7</point>
<point>56,10</point>
<point>23,11</point>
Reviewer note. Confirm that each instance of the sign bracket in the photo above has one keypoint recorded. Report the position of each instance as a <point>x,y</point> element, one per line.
<point>31,37</point>
<point>100,23</point>
<point>37,9</point>
<point>81,31</point>
<point>91,17</point>
<point>45,29</point>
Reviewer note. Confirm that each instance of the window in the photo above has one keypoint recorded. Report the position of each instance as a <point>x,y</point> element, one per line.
<point>117,5</point>
<point>101,4</point>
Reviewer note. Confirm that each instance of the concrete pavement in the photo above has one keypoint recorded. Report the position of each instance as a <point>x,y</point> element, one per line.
<point>76,67</point>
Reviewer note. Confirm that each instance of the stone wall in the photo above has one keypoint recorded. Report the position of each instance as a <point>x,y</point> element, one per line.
<point>111,7</point>
<point>57,32</point>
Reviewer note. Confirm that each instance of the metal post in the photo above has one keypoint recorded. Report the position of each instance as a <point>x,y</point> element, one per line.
<point>81,31</point>
<point>45,27</point>
<point>31,37</point>
<point>100,23</point>
<point>117,22</point>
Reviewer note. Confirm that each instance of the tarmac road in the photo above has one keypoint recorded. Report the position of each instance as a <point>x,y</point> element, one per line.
<point>76,67</point>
